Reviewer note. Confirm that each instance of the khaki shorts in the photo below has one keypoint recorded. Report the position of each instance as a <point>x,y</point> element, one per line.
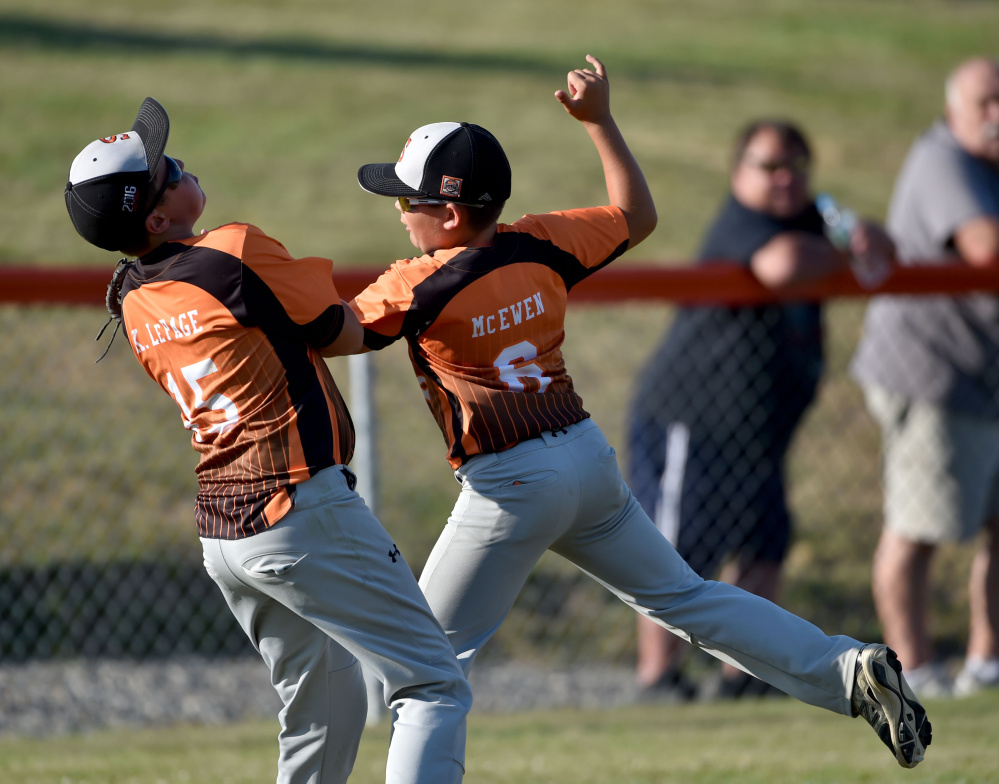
<point>941,468</point>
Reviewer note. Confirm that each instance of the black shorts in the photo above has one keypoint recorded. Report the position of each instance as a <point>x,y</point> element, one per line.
<point>712,498</point>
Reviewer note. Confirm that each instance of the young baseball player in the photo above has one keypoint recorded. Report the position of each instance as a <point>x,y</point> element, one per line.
<point>234,329</point>
<point>483,311</point>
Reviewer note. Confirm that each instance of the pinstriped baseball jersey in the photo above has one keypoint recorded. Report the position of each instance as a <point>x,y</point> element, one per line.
<point>485,325</point>
<point>228,324</point>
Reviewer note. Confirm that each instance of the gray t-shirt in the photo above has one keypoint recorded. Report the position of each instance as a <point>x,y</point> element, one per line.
<point>937,348</point>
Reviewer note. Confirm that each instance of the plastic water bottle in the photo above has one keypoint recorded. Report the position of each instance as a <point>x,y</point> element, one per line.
<point>840,223</point>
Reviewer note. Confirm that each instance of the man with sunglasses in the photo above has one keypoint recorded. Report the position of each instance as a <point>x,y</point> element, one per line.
<point>235,330</point>
<point>719,399</point>
<point>483,311</point>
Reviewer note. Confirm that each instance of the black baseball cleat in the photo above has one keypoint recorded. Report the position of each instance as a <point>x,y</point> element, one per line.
<point>881,695</point>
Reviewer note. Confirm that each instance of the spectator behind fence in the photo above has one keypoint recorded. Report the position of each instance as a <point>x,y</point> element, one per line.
<point>929,367</point>
<point>718,401</point>
<point>235,330</point>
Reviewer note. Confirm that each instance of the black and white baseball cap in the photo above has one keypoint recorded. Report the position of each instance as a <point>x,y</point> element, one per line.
<point>454,161</point>
<point>110,180</point>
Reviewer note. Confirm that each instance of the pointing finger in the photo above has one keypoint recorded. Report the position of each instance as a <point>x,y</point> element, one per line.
<point>597,65</point>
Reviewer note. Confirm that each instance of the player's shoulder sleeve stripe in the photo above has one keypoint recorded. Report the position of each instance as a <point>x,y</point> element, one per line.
<point>204,266</point>
<point>303,286</point>
<point>593,235</point>
<point>385,305</point>
<point>273,290</point>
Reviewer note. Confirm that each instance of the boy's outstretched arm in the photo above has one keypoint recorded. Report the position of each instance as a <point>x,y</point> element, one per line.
<point>588,100</point>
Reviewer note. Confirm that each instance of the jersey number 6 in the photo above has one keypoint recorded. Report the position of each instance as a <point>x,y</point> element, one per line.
<point>518,370</point>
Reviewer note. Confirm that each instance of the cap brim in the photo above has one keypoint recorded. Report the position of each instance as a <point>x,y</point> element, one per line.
<point>380,178</point>
<point>153,126</point>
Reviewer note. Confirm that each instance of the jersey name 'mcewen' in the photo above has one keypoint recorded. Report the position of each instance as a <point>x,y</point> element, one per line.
<point>511,315</point>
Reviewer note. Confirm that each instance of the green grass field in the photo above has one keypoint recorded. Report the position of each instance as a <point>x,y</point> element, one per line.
<point>274,105</point>
<point>769,742</point>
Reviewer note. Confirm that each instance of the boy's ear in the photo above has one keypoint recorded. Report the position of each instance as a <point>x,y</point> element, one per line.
<point>455,219</point>
<point>157,222</point>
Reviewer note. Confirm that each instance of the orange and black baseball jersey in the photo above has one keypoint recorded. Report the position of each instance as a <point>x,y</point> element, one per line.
<point>485,325</point>
<point>229,324</point>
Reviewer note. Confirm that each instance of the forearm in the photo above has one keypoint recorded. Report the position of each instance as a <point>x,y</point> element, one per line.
<point>626,185</point>
<point>350,339</point>
<point>794,258</point>
<point>588,100</point>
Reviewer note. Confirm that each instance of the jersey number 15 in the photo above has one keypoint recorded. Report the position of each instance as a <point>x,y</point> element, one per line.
<point>192,375</point>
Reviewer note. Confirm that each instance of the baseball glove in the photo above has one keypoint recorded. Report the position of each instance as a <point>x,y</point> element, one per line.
<point>112,301</point>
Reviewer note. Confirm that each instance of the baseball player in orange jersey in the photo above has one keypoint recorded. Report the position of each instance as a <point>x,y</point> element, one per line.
<point>235,330</point>
<point>483,312</point>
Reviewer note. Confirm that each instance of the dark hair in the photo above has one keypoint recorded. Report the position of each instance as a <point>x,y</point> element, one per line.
<point>790,135</point>
<point>480,218</point>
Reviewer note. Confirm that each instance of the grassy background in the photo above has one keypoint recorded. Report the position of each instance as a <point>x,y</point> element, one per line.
<point>275,105</point>
<point>769,742</point>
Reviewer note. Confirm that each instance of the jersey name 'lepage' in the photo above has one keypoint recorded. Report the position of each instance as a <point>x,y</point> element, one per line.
<point>165,329</point>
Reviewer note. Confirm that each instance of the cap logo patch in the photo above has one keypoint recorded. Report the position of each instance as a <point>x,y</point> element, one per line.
<point>410,139</point>
<point>451,186</point>
<point>112,139</point>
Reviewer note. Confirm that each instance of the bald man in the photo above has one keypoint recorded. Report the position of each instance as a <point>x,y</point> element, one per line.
<point>929,367</point>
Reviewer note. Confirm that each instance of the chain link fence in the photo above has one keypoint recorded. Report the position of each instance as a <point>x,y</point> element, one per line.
<point>99,555</point>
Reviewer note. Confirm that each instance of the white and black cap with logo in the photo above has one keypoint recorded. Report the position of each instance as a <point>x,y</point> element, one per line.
<point>458,162</point>
<point>111,179</point>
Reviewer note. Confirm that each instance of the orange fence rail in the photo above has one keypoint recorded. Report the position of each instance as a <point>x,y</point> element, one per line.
<point>716,282</point>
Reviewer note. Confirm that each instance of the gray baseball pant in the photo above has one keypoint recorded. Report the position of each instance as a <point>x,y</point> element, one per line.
<point>563,492</point>
<point>321,590</point>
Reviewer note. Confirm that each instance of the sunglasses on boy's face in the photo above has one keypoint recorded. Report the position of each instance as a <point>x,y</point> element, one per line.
<point>174,174</point>
<point>406,204</point>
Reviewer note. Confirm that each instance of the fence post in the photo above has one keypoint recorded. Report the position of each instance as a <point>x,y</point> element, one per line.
<point>362,411</point>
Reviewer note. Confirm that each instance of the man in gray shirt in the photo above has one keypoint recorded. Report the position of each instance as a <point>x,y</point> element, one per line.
<point>929,367</point>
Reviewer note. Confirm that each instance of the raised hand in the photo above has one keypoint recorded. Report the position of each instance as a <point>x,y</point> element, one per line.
<point>588,96</point>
